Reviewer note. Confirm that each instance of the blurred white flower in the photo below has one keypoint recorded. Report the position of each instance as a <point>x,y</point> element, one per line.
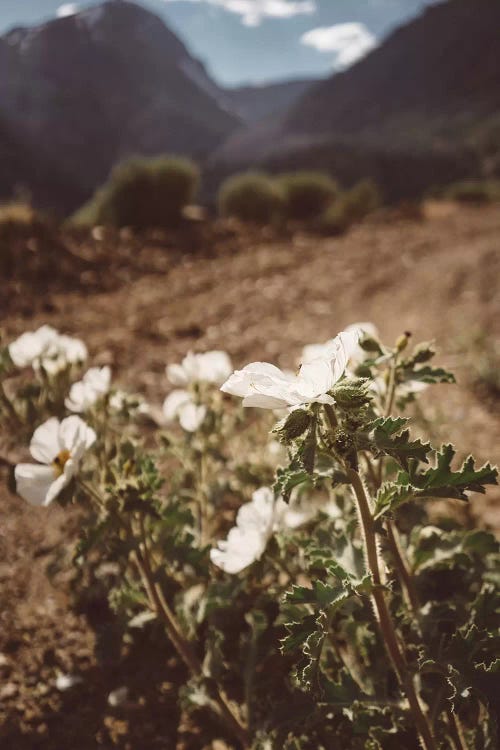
<point>94,385</point>
<point>256,522</point>
<point>356,356</point>
<point>47,348</point>
<point>59,447</point>
<point>210,367</point>
<point>180,405</point>
<point>30,346</point>
<point>63,351</point>
<point>120,400</point>
<point>267,387</point>
<point>379,387</point>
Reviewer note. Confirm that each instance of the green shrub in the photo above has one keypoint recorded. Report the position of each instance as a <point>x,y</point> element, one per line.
<point>143,193</point>
<point>473,191</point>
<point>306,195</point>
<point>18,214</point>
<point>351,206</point>
<point>29,243</point>
<point>251,197</point>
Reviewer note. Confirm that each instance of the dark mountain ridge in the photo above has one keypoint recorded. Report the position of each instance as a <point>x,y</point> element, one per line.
<point>254,103</point>
<point>87,90</point>
<point>406,115</point>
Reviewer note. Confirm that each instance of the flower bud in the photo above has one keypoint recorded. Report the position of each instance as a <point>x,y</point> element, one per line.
<point>402,341</point>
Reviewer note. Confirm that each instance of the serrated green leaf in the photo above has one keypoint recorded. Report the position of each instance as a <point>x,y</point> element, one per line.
<point>421,353</point>
<point>391,496</point>
<point>344,692</point>
<point>390,440</point>
<point>427,374</point>
<point>298,633</point>
<point>320,594</point>
<point>442,481</point>
<point>289,478</point>
<point>438,481</point>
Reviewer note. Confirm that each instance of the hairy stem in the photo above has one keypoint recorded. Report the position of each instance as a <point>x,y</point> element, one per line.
<point>401,564</point>
<point>386,623</point>
<point>402,569</point>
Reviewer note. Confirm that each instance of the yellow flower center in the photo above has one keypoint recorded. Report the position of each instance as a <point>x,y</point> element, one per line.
<point>59,462</point>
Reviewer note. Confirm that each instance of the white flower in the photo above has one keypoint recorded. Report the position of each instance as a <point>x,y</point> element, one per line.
<point>379,387</point>
<point>59,446</point>
<point>210,367</point>
<point>256,522</point>
<point>63,351</point>
<point>180,405</point>
<point>120,400</point>
<point>267,387</point>
<point>30,346</point>
<point>47,348</point>
<point>356,355</point>
<point>93,386</point>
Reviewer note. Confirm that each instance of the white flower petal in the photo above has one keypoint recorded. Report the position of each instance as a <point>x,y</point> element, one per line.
<point>191,416</point>
<point>315,378</point>
<point>93,386</point>
<point>173,402</point>
<point>55,488</point>
<point>208,367</point>
<point>214,367</point>
<point>33,482</point>
<point>177,376</point>
<point>261,401</point>
<point>45,444</point>
<point>239,551</point>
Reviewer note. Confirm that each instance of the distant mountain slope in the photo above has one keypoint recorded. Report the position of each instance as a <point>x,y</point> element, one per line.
<point>87,90</point>
<point>444,64</point>
<point>255,103</point>
<point>407,114</point>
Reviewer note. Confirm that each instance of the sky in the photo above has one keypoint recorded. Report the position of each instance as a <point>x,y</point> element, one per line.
<point>256,41</point>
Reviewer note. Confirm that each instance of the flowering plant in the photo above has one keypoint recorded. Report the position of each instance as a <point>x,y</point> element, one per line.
<point>308,585</point>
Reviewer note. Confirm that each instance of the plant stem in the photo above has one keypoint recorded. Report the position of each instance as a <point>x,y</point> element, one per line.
<point>389,403</point>
<point>400,562</point>
<point>402,569</point>
<point>159,605</point>
<point>456,731</point>
<point>90,491</point>
<point>9,405</point>
<point>387,628</point>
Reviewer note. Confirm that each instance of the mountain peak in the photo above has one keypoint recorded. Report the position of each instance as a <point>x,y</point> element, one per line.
<point>91,89</point>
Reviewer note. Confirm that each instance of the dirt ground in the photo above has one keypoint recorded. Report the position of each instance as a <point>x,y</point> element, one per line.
<point>258,298</point>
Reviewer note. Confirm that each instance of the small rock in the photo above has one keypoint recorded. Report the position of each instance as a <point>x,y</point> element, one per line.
<point>67,681</point>
<point>9,690</point>
<point>118,697</point>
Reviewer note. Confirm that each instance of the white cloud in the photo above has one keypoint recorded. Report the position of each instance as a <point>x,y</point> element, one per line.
<point>68,9</point>
<point>348,41</point>
<point>253,12</point>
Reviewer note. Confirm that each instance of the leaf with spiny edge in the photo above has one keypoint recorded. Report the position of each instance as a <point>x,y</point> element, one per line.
<point>427,374</point>
<point>389,438</point>
<point>439,481</point>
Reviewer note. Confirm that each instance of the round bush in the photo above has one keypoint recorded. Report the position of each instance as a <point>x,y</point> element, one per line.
<point>251,197</point>
<point>474,191</point>
<point>351,206</point>
<point>143,194</point>
<point>306,195</point>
